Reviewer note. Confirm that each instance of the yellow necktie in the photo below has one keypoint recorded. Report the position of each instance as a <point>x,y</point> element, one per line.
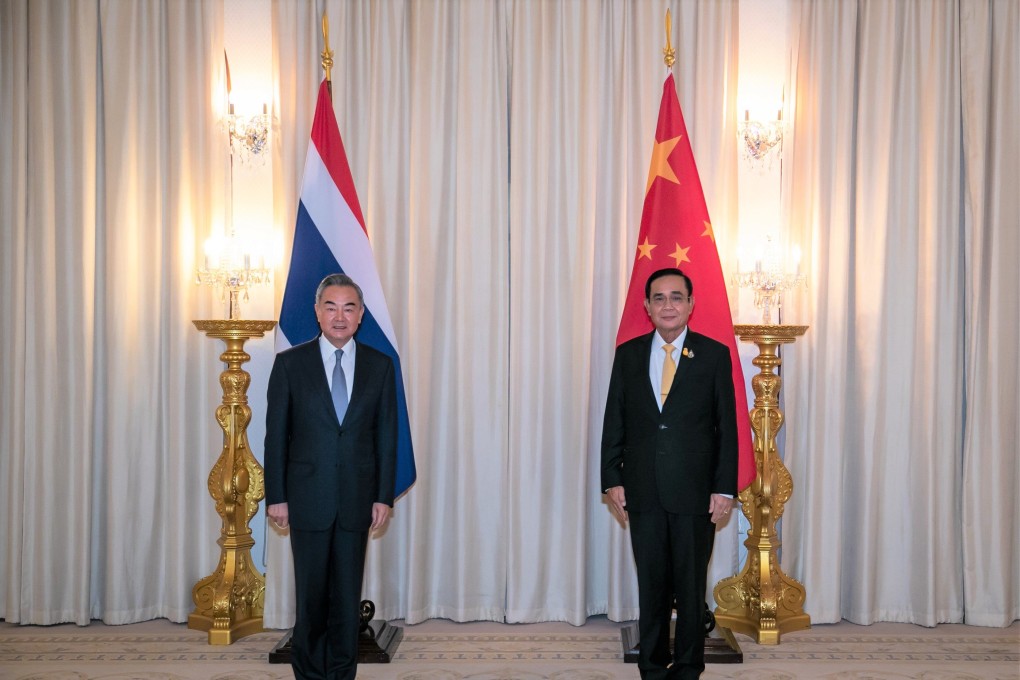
<point>668,371</point>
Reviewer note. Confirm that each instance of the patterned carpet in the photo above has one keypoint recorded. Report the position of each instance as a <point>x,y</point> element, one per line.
<point>442,650</point>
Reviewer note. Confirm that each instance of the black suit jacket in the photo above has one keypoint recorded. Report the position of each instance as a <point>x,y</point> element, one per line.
<point>673,460</point>
<point>321,468</point>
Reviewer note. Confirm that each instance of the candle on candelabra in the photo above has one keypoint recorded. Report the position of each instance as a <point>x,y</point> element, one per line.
<point>771,276</point>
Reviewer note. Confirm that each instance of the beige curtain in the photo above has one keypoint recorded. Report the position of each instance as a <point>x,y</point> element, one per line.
<point>582,128</point>
<point>110,173</point>
<point>500,152</point>
<point>903,397</point>
<point>989,77</point>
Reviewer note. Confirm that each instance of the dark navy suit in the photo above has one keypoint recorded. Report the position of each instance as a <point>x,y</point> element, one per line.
<point>330,474</point>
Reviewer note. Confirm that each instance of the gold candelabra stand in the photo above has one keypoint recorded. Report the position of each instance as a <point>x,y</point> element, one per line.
<point>763,602</point>
<point>229,602</point>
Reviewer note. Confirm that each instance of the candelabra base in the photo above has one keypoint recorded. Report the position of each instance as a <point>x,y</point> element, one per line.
<point>229,602</point>
<point>763,602</point>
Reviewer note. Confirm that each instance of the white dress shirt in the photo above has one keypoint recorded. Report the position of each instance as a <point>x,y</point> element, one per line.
<point>657,358</point>
<point>328,352</point>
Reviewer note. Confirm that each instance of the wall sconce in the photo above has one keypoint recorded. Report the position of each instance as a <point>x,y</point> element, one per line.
<point>249,135</point>
<point>770,278</point>
<point>762,139</point>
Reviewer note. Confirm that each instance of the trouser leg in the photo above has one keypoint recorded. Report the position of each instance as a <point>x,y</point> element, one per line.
<point>649,534</point>
<point>311,551</point>
<point>691,539</point>
<point>348,566</point>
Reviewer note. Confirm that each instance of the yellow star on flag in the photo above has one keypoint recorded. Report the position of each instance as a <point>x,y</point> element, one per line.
<point>645,249</point>
<point>660,162</point>
<point>709,231</point>
<point>680,254</point>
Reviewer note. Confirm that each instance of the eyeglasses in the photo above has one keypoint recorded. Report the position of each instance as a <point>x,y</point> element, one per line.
<point>675,299</point>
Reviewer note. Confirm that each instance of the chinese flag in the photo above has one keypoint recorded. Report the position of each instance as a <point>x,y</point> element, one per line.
<point>677,232</point>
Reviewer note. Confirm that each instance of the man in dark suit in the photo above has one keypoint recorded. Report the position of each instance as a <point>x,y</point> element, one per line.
<point>331,441</point>
<point>669,465</point>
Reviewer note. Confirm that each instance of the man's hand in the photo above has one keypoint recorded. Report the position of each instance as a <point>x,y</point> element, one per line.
<point>278,514</point>
<point>720,507</point>
<point>617,501</point>
<point>380,513</point>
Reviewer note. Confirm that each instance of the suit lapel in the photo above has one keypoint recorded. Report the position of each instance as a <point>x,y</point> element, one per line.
<point>684,360</point>
<point>683,364</point>
<point>362,368</point>
<point>645,359</point>
<point>319,384</point>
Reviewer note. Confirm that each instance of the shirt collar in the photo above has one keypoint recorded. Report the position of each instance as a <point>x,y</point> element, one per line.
<point>658,342</point>
<point>328,351</point>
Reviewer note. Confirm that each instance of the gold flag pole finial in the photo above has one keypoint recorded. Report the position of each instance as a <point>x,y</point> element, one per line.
<point>327,54</point>
<point>669,54</point>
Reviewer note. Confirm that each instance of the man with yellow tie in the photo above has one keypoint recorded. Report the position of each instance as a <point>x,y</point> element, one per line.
<point>669,466</point>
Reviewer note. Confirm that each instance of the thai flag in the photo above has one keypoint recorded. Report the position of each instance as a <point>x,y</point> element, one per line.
<point>330,237</point>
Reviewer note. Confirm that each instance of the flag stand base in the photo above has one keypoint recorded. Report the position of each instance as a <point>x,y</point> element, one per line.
<point>377,640</point>
<point>720,645</point>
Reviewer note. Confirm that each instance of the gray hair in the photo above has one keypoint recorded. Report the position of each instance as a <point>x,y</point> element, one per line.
<point>338,280</point>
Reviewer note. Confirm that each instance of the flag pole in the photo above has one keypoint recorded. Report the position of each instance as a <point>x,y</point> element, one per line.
<point>327,54</point>
<point>668,53</point>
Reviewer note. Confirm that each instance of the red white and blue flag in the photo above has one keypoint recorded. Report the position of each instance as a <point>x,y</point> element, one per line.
<point>330,237</point>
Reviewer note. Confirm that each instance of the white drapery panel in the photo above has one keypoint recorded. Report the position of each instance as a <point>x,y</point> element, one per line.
<point>501,161</point>
<point>500,151</point>
<point>107,390</point>
<point>990,93</point>
<point>582,129</point>
<point>902,399</point>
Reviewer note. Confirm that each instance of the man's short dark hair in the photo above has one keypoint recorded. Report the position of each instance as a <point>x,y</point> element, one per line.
<point>338,280</point>
<point>669,271</point>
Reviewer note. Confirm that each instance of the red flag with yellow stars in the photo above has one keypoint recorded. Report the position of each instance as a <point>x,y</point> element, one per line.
<point>677,232</point>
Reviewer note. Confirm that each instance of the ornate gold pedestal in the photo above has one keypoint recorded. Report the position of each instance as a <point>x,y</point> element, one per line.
<point>229,602</point>
<point>763,602</point>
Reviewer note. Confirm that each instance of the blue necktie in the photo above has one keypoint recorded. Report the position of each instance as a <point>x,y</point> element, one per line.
<point>339,389</point>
